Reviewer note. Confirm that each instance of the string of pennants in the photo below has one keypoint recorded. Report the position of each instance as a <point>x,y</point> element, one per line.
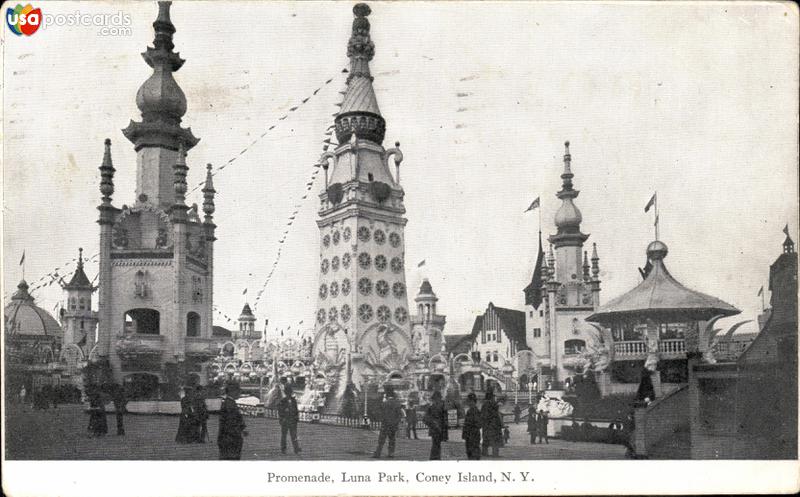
<point>55,276</point>
<point>301,103</point>
<point>327,142</point>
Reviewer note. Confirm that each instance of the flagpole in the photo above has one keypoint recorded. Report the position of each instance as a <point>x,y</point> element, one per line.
<point>763,305</point>
<point>656,206</point>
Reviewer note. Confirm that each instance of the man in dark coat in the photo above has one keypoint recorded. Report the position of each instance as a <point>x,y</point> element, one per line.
<point>392,413</point>
<point>411,420</point>
<point>288,415</point>
<point>231,426</point>
<point>492,425</point>
<point>542,422</point>
<point>532,426</point>
<point>188,419</point>
<point>201,411</point>
<point>645,393</point>
<point>517,413</point>
<point>471,434</point>
<point>119,406</point>
<point>436,420</point>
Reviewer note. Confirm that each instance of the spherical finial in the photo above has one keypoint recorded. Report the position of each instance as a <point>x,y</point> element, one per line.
<point>208,167</point>
<point>566,143</point>
<point>361,10</point>
<point>107,142</point>
<point>657,250</point>
<point>396,144</point>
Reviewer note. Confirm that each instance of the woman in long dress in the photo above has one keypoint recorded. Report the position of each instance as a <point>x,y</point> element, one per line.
<point>187,425</point>
<point>98,426</point>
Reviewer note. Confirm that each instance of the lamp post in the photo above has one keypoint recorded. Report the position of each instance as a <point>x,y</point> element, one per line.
<point>530,391</point>
<point>365,424</point>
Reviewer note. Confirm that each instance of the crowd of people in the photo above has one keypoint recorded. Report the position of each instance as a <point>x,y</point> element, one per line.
<point>483,432</point>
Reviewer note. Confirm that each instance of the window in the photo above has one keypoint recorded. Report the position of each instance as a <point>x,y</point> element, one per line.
<point>574,346</point>
<point>82,304</point>
<point>143,321</point>
<point>488,356</point>
<point>72,305</point>
<point>192,324</point>
<point>537,332</point>
<point>530,314</point>
<point>82,325</point>
<point>541,313</point>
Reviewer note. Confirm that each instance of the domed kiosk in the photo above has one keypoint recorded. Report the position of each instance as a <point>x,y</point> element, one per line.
<point>33,341</point>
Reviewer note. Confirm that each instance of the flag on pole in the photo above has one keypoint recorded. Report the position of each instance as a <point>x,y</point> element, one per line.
<point>760,291</point>
<point>650,203</point>
<point>785,230</point>
<point>655,223</point>
<point>244,292</point>
<point>534,205</point>
<point>421,263</point>
<point>22,261</point>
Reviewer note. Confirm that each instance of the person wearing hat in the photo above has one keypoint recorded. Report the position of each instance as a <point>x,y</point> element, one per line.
<point>201,410</point>
<point>288,415</point>
<point>231,425</point>
<point>492,425</point>
<point>436,420</point>
<point>411,420</point>
<point>533,426</point>
<point>471,434</point>
<point>188,420</point>
<point>392,413</point>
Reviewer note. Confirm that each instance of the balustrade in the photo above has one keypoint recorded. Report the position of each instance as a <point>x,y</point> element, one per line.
<point>630,348</point>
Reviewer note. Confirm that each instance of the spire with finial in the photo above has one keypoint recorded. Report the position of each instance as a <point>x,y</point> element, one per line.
<point>788,244</point>
<point>551,260</point>
<point>79,280</point>
<point>568,217</point>
<point>208,196</point>
<point>585,266</point>
<point>359,113</point>
<point>595,263</point>
<point>160,99</point>
<point>107,174</point>
<point>179,208</point>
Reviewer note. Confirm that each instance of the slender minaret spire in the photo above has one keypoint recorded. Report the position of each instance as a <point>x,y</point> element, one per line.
<point>179,208</point>
<point>595,263</point>
<point>359,113</point>
<point>107,175</point>
<point>208,197</point>
<point>585,266</point>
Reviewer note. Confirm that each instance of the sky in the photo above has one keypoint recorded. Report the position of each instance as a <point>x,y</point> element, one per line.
<point>697,101</point>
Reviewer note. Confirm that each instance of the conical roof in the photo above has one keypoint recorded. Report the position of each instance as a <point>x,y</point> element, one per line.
<point>359,113</point>
<point>661,293</point>
<point>79,280</point>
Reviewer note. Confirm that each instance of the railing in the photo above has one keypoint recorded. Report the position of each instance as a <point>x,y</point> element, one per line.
<point>672,346</point>
<point>630,348</point>
<point>331,419</point>
<point>661,419</point>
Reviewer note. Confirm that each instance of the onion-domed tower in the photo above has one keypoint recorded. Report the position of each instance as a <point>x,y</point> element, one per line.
<point>156,254</point>
<point>571,290</point>
<point>362,305</point>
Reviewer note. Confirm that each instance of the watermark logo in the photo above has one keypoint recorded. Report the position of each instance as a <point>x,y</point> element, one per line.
<point>23,20</point>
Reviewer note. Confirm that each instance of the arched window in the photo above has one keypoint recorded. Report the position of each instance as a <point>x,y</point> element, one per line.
<point>143,321</point>
<point>192,324</point>
<point>574,346</point>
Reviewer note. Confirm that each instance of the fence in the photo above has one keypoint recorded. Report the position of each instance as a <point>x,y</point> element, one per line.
<point>338,420</point>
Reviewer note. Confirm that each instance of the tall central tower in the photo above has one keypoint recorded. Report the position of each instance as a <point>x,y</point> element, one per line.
<point>362,322</point>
